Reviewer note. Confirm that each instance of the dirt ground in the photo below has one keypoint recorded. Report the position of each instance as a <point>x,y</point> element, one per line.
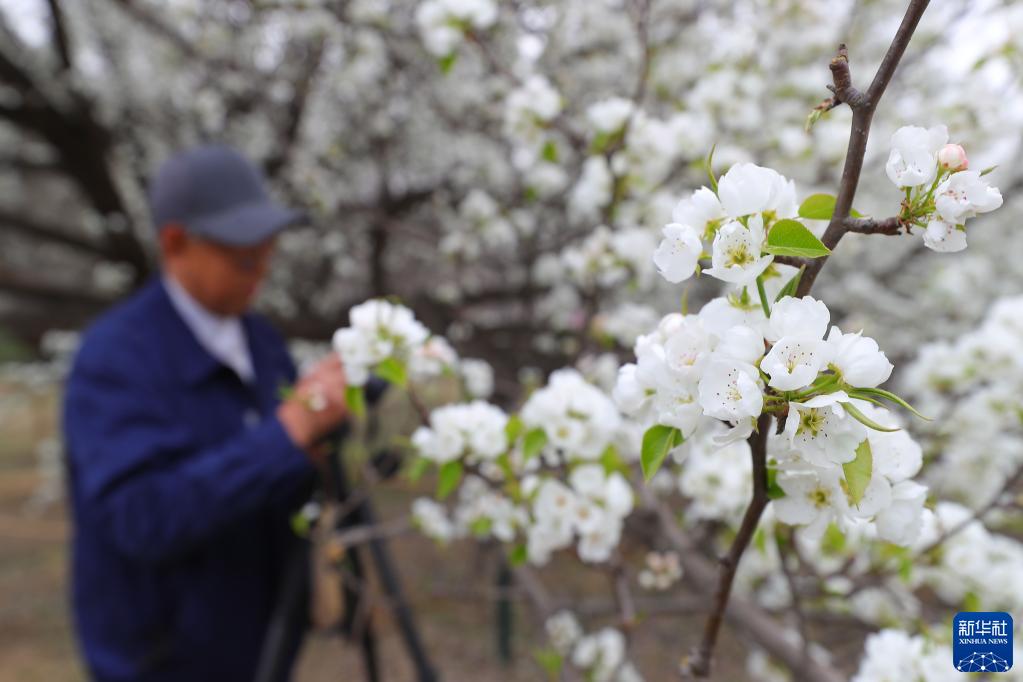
<point>445,588</point>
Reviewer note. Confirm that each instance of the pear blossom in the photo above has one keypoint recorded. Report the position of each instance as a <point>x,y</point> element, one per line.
<point>963,195</point>
<point>678,252</point>
<point>804,317</point>
<point>379,330</point>
<point>747,188</point>
<point>563,630</point>
<point>730,390</point>
<point>900,523</point>
<point>701,210</point>
<point>610,115</point>
<point>944,237</point>
<point>474,430</point>
<point>736,252</point>
<point>794,362</point>
<point>662,570</point>
<point>914,157</point>
<point>812,498</point>
<point>578,418</point>
<point>858,358</point>
<point>821,431</point>
<point>741,343</point>
<point>953,157</point>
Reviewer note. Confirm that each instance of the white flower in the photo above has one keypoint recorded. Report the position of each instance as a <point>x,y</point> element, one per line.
<point>963,195</point>
<point>902,521</point>
<point>812,498</point>
<point>730,390</point>
<point>432,520</point>
<point>432,358</point>
<point>379,329</point>
<point>944,237</point>
<point>821,431</point>
<point>747,188</point>
<point>953,157</point>
<point>803,317</point>
<point>687,348</point>
<point>698,210</point>
<point>610,115</point>
<point>577,416</point>
<point>475,430</point>
<point>662,571</point>
<point>794,362</point>
<point>858,358</point>
<point>736,253</point>
<point>478,377</point>
<point>563,630</point>
<point>913,160</point>
<point>678,252</point>
<point>741,343</point>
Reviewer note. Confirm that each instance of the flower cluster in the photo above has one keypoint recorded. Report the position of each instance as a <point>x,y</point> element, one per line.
<point>896,655</point>
<point>470,431</point>
<point>578,421</point>
<point>941,193</point>
<point>838,455</point>
<point>601,655</point>
<point>973,387</point>
<point>591,509</point>
<point>379,330</point>
<point>444,23</point>
<point>662,570</point>
<point>736,218</point>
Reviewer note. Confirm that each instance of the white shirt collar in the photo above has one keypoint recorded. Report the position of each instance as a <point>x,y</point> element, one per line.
<point>222,337</point>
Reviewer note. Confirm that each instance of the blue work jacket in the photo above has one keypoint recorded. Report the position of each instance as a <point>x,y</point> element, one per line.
<point>182,483</point>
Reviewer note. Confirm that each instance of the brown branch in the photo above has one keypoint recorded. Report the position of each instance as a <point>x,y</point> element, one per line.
<point>890,226</point>
<point>863,106</point>
<point>741,613</point>
<point>60,35</point>
<point>699,663</point>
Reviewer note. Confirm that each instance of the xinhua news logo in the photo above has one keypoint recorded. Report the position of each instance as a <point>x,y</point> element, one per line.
<point>982,642</point>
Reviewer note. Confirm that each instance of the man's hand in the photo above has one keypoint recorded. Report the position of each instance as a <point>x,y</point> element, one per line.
<point>317,405</point>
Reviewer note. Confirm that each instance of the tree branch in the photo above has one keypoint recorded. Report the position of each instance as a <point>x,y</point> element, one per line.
<point>699,663</point>
<point>863,106</point>
<point>890,226</point>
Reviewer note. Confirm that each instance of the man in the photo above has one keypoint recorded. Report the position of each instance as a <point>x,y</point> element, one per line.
<point>184,466</point>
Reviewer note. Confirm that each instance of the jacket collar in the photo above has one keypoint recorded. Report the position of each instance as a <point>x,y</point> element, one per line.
<point>188,358</point>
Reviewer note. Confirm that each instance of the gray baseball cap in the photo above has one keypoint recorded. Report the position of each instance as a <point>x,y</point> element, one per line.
<point>218,194</point>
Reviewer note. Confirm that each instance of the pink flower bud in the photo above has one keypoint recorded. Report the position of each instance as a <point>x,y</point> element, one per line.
<point>953,157</point>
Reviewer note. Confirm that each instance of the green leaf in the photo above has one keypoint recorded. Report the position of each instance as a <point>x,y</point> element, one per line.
<point>658,441</point>
<point>818,207</point>
<point>550,151</point>
<point>513,429</point>
<point>481,526</point>
<point>392,371</point>
<point>789,238</point>
<point>447,62</point>
<point>790,287</point>
<point>858,473</point>
<point>417,468</point>
<point>833,541</point>
<point>864,419</point>
<point>888,395</point>
<point>448,478</point>
<point>534,442</point>
<point>551,662</point>
<point>774,491</point>
<point>355,398</point>
<point>709,164</point>
<point>300,524</point>
<point>610,460</point>
<point>518,556</point>
<point>989,169</point>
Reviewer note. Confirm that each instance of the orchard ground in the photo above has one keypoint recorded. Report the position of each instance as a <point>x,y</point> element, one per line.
<point>447,586</point>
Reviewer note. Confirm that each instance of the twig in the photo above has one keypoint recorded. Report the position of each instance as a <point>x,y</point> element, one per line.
<point>699,663</point>
<point>863,106</point>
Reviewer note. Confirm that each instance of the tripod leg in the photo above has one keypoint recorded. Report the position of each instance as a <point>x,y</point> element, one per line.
<point>357,621</point>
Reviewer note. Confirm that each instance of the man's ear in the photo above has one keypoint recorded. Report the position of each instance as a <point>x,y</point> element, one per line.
<point>173,240</point>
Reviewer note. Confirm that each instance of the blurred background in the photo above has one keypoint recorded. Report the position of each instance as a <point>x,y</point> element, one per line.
<point>456,163</point>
